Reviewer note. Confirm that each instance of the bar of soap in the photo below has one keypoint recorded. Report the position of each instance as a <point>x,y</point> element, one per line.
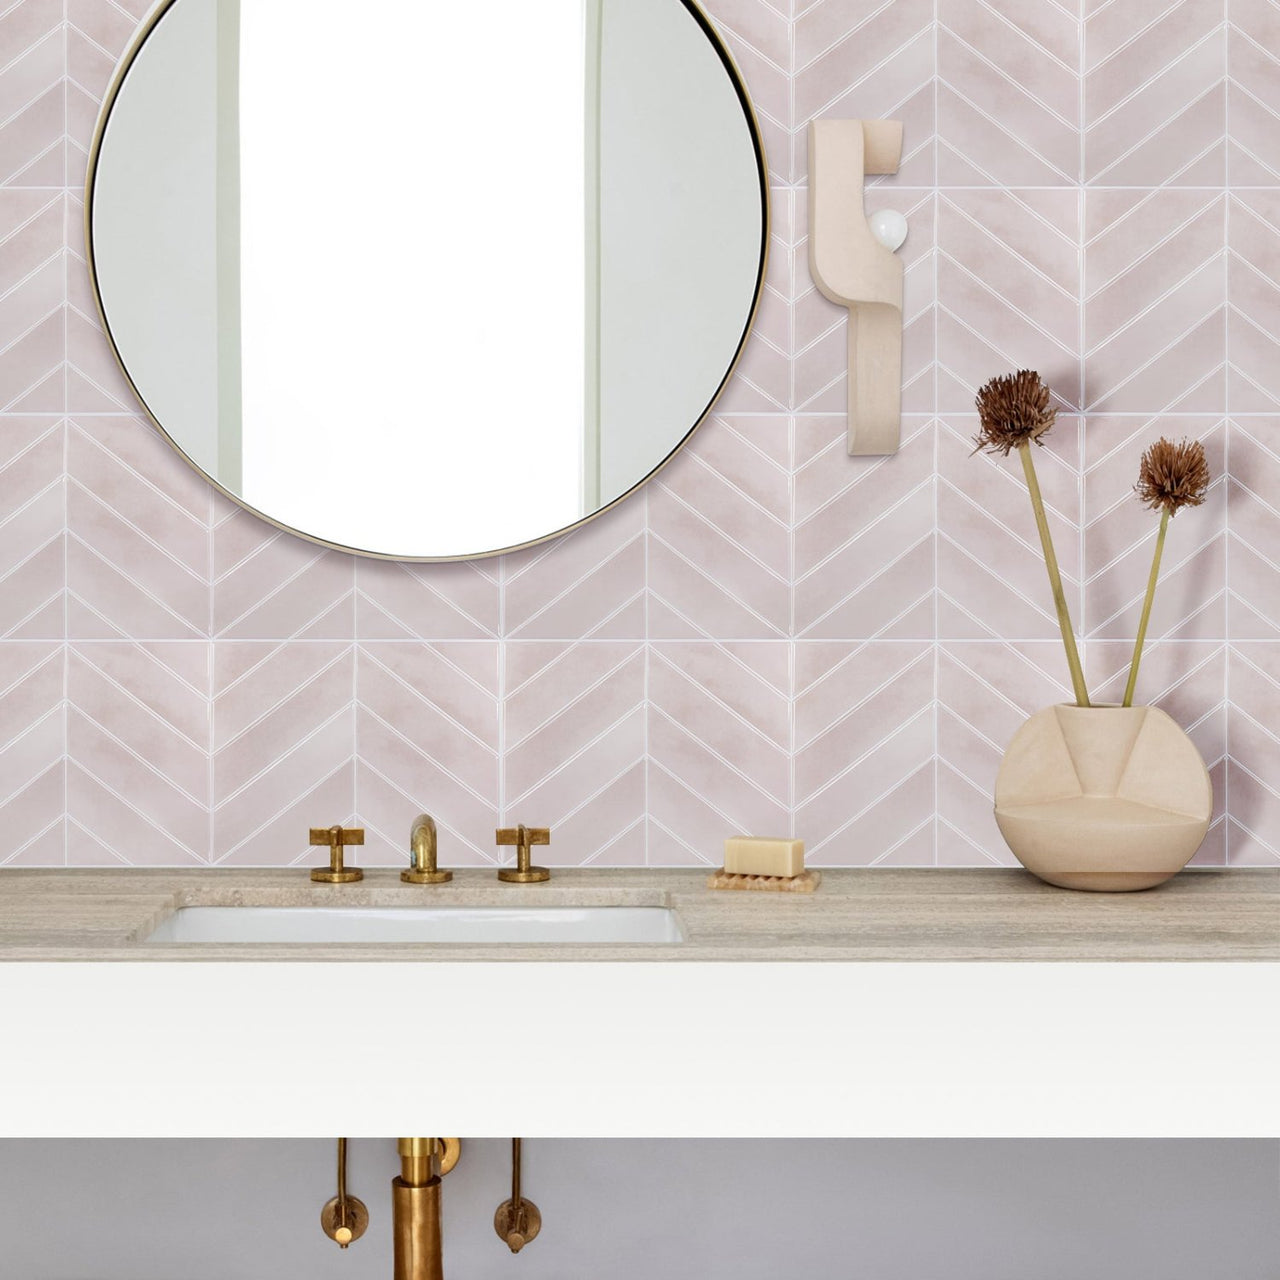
<point>761,856</point>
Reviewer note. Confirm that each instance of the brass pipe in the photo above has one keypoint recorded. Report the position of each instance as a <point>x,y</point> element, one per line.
<point>418,1159</point>
<point>344,1237</point>
<point>415,1211</point>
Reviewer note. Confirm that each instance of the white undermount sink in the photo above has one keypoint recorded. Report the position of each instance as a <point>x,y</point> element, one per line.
<point>478,925</point>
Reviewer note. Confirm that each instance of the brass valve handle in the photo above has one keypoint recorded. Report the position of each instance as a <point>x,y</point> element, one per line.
<point>337,838</point>
<point>523,838</point>
<point>517,1220</point>
<point>344,1218</point>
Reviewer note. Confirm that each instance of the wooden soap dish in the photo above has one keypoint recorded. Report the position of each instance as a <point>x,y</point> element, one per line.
<point>805,882</point>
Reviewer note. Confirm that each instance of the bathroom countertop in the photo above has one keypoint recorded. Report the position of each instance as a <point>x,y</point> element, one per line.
<point>872,914</point>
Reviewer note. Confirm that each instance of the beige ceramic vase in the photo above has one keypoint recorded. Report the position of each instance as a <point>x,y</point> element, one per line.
<point>1104,798</point>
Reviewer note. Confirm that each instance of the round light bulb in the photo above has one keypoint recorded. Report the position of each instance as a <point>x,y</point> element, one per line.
<point>889,227</point>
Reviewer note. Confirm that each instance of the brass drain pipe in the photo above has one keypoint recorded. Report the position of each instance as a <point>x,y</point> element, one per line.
<point>415,1211</point>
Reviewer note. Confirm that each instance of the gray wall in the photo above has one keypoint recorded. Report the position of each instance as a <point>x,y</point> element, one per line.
<point>659,1210</point>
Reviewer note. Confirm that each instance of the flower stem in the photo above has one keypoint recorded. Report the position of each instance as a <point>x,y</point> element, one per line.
<point>1146,609</point>
<point>1055,579</point>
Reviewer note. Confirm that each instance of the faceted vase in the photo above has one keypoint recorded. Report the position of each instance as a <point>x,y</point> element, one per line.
<point>1104,798</point>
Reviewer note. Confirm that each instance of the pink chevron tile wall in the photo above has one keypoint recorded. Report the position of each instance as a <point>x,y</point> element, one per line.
<point>772,636</point>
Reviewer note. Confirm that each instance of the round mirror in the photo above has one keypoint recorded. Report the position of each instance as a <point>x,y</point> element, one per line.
<point>436,286</point>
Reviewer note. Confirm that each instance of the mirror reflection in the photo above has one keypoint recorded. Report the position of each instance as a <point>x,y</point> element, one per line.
<point>433,286</point>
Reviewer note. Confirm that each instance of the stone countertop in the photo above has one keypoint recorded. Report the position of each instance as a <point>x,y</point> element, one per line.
<point>863,914</point>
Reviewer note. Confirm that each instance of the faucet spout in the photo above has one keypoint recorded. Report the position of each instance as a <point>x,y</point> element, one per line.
<point>415,1208</point>
<point>422,854</point>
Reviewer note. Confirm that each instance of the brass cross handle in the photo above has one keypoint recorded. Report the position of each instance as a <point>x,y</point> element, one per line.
<point>523,838</point>
<point>337,838</point>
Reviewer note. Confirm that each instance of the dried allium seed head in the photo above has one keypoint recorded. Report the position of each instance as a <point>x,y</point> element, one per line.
<point>1173,476</point>
<point>1013,410</point>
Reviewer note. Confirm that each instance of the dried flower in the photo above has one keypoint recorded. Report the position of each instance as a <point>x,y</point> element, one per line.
<point>1013,410</point>
<point>1173,476</point>
<point>1170,477</point>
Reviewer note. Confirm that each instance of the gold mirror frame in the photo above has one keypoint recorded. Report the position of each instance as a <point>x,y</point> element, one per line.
<point>762,171</point>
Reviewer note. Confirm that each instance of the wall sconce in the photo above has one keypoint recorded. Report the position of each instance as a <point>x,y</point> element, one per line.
<point>853,262</point>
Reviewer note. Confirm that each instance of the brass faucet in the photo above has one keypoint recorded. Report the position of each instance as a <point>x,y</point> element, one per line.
<point>422,854</point>
<point>337,837</point>
<point>523,838</point>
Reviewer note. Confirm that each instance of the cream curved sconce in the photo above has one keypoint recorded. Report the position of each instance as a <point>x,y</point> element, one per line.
<point>853,263</point>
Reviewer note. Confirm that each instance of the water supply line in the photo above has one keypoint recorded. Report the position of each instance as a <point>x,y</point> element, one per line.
<point>517,1220</point>
<point>344,1218</point>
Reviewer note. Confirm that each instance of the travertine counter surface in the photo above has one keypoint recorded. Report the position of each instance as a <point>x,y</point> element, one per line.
<point>869,914</point>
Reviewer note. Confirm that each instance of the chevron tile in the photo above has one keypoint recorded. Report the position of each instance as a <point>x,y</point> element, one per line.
<point>718,534</point>
<point>773,635</point>
<point>138,753</point>
<point>1189,681</point>
<point>986,689</point>
<point>94,381</point>
<point>1253,102</point>
<point>271,585</point>
<point>397,600</point>
<point>574,748</point>
<point>991,574</point>
<point>1008,291</point>
<point>32,521</point>
<point>820,349</point>
<point>864,535</point>
<point>1008,93</point>
<point>97,36</point>
<point>1154,301</point>
<point>32,114</point>
<point>761,382</point>
<point>1253,682</point>
<point>719,732</point>
<point>1253,530</point>
<point>1253,301</point>
<point>1155,93</point>
<point>32,753</point>
<point>1119,536</point>
<point>137,535</point>
<point>427,738</point>
<point>864,752</point>
<point>588,584</point>
<point>31,302</point>
<point>284,730</point>
<point>106,29</point>
<point>758,36</point>
<point>869,62</point>
<point>90,57</point>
